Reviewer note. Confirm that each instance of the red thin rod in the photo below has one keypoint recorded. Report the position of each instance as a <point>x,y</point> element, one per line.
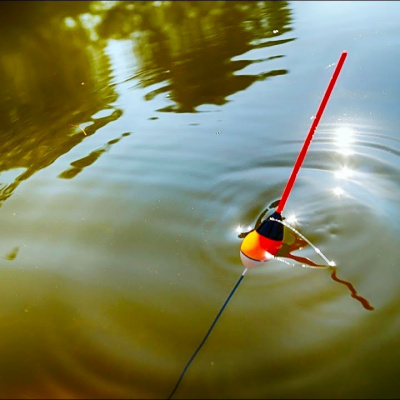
<point>303,151</point>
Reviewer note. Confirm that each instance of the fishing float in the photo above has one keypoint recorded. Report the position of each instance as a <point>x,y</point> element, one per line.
<point>261,244</point>
<point>264,242</point>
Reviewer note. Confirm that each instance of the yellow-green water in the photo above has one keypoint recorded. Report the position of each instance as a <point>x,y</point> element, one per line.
<point>135,138</point>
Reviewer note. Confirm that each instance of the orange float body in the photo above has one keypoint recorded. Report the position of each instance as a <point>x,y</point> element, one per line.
<point>263,243</point>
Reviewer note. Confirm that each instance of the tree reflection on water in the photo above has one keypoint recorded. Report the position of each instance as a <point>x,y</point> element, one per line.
<point>186,49</point>
<point>54,70</point>
<point>51,74</point>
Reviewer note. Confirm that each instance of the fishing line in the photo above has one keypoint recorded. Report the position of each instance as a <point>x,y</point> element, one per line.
<point>282,260</point>
<point>264,242</point>
<point>292,264</point>
<point>331,264</point>
<point>207,334</point>
<point>316,249</point>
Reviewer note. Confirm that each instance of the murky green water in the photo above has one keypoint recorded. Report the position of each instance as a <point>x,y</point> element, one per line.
<point>135,138</point>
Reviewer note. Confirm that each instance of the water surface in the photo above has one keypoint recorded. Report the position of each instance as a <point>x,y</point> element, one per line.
<point>136,138</point>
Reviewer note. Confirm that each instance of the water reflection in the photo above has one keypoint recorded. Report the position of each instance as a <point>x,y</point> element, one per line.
<point>52,75</point>
<point>343,173</point>
<point>344,138</point>
<point>51,66</point>
<point>292,219</point>
<point>294,241</point>
<point>365,303</point>
<point>186,50</point>
<point>338,191</point>
<point>78,165</point>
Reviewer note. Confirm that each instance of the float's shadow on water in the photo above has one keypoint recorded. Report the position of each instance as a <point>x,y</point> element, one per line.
<point>295,241</point>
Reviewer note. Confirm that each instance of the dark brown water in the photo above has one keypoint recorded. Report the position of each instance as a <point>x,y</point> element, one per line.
<point>136,137</point>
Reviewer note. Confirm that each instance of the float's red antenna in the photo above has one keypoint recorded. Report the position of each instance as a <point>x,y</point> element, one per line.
<point>303,151</point>
<point>264,242</point>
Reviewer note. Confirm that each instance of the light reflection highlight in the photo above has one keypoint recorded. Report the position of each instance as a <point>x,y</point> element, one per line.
<point>338,192</point>
<point>239,229</point>
<point>344,138</point>
<point>292,219</point>
<point>343,173</point>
